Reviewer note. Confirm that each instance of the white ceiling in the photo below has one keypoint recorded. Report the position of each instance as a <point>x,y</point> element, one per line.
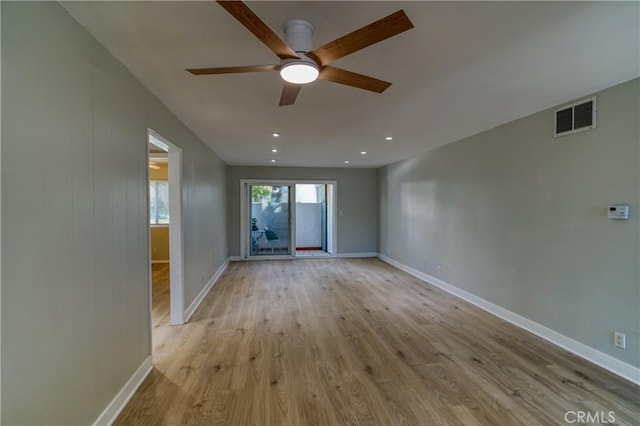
<point>464,68</point>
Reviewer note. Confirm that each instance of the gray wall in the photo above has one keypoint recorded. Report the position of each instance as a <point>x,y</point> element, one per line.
<point>518,218</point>
<point>75,241</point>
<point>357,199</point>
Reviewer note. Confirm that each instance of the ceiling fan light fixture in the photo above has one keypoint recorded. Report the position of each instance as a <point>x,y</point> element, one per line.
<point>299,72</point>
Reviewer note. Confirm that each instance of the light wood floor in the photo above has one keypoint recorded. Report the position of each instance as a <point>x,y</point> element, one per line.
<point>160,301</point>
<point>332,341</point>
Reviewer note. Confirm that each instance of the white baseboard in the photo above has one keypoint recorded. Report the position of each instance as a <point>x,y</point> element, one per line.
<point>614,365</point>
<point>354,255</point>
<point>160,261</point>
<point>200,297</point>
<point>121,399</point>
<point>337,255</point>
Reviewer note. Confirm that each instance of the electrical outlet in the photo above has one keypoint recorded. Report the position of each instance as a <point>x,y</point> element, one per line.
<point>202,279</point>
<point>438,270</point>
<point>620,340</point>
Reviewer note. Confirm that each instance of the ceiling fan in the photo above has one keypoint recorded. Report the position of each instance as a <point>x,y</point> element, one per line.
<point>299,62</point>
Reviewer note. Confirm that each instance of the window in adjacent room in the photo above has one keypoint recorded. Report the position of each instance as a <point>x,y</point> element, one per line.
<point>159,203</point>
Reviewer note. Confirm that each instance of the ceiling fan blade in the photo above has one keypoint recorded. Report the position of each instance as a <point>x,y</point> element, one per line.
<point>233,70</point>
<point>253,23</point>
<point>375,32</point>
<point>289,93</point>
<point>353,79</point>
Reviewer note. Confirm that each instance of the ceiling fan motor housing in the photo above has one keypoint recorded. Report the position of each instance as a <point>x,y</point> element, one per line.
<point>299,35</point>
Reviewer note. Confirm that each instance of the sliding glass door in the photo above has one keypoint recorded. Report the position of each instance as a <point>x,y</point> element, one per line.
<point>280,217</point>
<point>311,219</point>
<point>270,220</point>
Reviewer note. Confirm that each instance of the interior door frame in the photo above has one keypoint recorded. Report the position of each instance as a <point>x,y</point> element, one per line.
<point>176,243</point>
<point>244,215</point>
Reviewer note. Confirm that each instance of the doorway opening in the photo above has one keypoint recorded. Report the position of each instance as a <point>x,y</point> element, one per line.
<point>287,219</point>
<point>311,219</point>
<point>165,231</point>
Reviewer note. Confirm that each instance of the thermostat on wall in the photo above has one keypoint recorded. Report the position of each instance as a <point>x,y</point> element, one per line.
<point>620,211</point>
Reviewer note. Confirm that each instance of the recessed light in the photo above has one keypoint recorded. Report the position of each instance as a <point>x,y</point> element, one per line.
<point>275,134</point>
<point>274,150</point>
<point>363,152</point>
<point>346,162</point>
<point>388,138</point>
<point>273,161</point>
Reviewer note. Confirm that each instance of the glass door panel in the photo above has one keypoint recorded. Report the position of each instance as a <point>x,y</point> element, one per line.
<point>269,220</point>
<point>311,218</point>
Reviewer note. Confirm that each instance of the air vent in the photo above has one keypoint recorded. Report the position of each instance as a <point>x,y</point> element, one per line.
<point>577,117</point>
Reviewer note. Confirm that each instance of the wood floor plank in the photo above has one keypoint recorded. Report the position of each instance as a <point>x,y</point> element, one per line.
<point>356,341</point>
